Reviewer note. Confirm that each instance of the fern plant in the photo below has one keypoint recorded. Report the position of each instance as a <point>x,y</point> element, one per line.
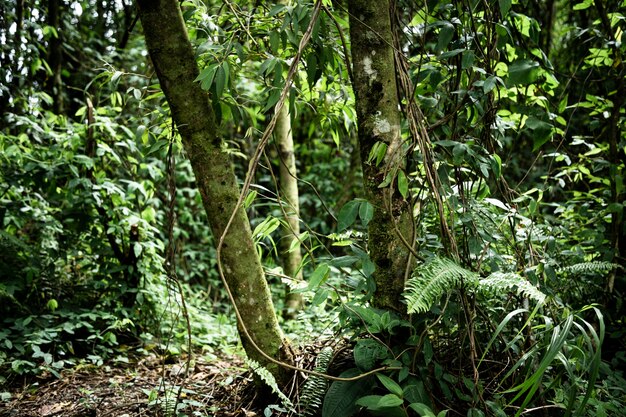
<point>588,267</point>
<point>439,276</point>
<point>315,387</point>
<point>432,280</point>
<point>270,381</point>
<point>499,281</point>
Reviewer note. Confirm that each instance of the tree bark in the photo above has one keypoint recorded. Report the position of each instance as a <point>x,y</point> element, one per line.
<point>289,190</point>
<point>55,56</point>
<point>174,61</point>
<point>379,119</point>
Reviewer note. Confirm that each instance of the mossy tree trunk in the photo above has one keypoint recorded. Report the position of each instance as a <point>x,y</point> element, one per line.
<point>379,121</point>
<point>55,56</point>
<point>173,58</point>
<point>290,243</point>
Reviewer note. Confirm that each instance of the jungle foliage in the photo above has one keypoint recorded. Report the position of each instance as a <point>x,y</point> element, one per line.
<point>510,168</point>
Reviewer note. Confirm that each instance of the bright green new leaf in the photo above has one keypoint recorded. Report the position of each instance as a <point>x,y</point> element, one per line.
<point>403,184</point>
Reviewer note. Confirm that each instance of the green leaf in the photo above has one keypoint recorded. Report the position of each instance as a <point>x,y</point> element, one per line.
<point>369,401</point>
<point>542,131</point>
<point>583,5</point>
<point>416,393</point>
<point>347,215</point>
<point>391,385</point>
<point>137,249</point>
<point>523,71</point>
<point>489,84</point>
<point>320,296</point>
<point>319,275</point>
<point>403,184</point>
<point>450,54</point>
<point>422,409</point>
<point>468,59</point>
<point>505,7</point>
<point>446,33</point>
<point>311,69</point>
<point>390,400</point>
<point>340,400</point>
<point>274,41</point>
<point>366,212</point>
<point>496,165</point>
<point>272,99</point>
<point>368,352</point>
<point>220,81</point>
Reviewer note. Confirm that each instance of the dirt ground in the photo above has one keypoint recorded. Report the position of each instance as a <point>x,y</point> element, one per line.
<point>221,387</point>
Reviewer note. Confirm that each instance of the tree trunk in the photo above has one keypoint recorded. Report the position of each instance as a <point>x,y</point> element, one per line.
<point>379,121</point>
<point>173,58</point>
<point>289,191</point>
<point>55,57</point>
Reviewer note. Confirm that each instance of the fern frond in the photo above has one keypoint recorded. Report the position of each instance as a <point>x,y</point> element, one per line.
<point>270,381</point>
<point>504,282</point>
<point>315,387</point>
<point>586,267</point>
<point>432,280</point>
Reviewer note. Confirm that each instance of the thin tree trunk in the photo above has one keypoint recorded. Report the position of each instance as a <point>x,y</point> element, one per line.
<point>289,190</point>
<point>55,57</point>
<point>379,121</point>
<point>174,61</point>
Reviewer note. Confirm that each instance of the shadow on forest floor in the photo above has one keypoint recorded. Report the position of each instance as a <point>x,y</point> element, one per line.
<point>147,387</point>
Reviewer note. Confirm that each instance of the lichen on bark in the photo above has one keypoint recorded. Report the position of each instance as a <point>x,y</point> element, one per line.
<point>174,61</point>
<point>379,121</point>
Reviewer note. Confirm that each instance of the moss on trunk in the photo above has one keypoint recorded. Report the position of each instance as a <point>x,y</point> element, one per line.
<point>379,121</point>
<point>173,58</point>
<point>289,189</point>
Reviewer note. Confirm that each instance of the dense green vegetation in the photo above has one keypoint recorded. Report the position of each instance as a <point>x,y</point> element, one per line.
<point>462,234</point>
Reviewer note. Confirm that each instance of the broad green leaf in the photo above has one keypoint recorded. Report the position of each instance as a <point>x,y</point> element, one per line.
<point>366,212</point>
<point>390,400</point>
<point>505,7</point>
<point>220,81</point>
<point>468,59</point>
<point>137,249</point>
<point>347,215</point>
<point>370,402</point>
<point>489,84</point>
<point>523,71</point>
<point>319,275</point>
<point>391,385</point>
<point>321,295</point>
<point>450,54</point>
<point>542,131</point>
<point>272,99</point>
<point>368,352</point>
<point>340,399</point>
<point>311,68</point>
<point>496,165</point>
<point>446,33</point>
<point>416,393</point>
<point>583,5</point>
<point>422,409</point>
<point>274,41</point>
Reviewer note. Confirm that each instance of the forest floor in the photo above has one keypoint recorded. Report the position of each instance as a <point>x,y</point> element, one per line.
<point>144,387</point>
